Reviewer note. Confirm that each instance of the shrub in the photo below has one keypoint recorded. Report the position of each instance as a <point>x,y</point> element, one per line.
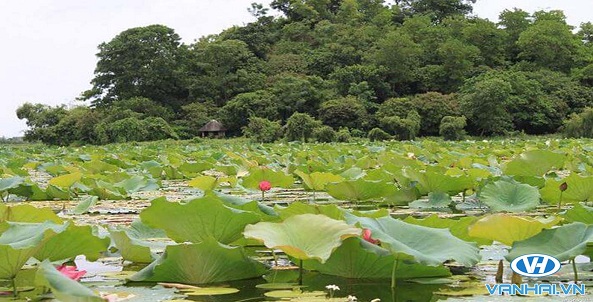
<point>377,134</point>
<point>300,126</point>
<point>432,107</point>
<point>262,130</point>
<point>343,135</point>
<point>579,125</point>
<point>403,128</point>
<point>452,127</point>
<point>324,134</point>
<point>343,112</point>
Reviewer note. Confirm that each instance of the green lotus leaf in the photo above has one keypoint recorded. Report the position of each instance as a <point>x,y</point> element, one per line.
<point>358,259</point>
<point>136,184</point>
<point>259,174</point>
<point>19,243</point>
<point>30,191</point>
<point>85,204</point>
<point>551,193</point>
<point>200,263</point>
<point>431,181</point>
<point>27,213</point>
<point>298,208</point>
<point>63,288</point>
<point>562,243</point>
<point>360,190</point>
<point>73,241</point>
<point>579,213</point>
<point>198,219</point>
<point>435,200</point>
<point>457,227</point>
<point>10,183</point>
<point>535,163</point>
<point>65,181</point>
<point>509,196</point>
<point>422,244</point>
<point>204,183</point>
<point>54,192</point>
<point>193,168</point>
<point>317,181</point>
<point>305,236</point>
<point>131,249</point>
<point>22,235</point>
<point>507,229</point>
<point>578,188</point>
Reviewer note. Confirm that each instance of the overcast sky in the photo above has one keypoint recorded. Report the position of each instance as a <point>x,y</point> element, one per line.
<point>47,54</point>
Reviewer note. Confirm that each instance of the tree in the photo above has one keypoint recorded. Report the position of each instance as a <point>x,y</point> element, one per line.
<point>220,70</point>
<point>438,10</point>
<point>432,107</point>
<point>324,134</point>
<point>40,119</point>
<point>400,56</point>
<point>514,23</point>
<point>262,130</point>
<point>236,113</point>
<point>296,93</point>
<point>193,116</point>
<point>549,44</point>
<point>485,101</point>
<point>451,127</point>
<point>402,128</point>
<point>300,127</point>
<point>344,112</point>
<point>140,62</point>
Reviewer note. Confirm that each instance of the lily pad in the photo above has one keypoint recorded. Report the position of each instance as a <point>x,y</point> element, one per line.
<point>414,242</point>
<point>305,236</point>
<point>259,174</point>
<point>535,163</point>
<point>509,196</point>
<point>358,259</point>
<point>201,263</point>
<point>360,190</point>
<point>507,229</point>
<point>317,181</point>
<point>563,243</point>
<point>198,219</point>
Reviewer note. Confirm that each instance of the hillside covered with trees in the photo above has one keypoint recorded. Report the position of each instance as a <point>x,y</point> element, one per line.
<point>329,70</point>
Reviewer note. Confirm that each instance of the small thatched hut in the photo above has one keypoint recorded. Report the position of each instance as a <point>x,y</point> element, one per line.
<point>213,128</point>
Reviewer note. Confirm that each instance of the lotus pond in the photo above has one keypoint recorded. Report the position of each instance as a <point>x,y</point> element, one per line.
<point>230,221</point>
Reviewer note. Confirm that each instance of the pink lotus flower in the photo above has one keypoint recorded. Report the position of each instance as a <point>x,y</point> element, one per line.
<point>366,235</point>
<point>265,185</point>
<point>71,272</point>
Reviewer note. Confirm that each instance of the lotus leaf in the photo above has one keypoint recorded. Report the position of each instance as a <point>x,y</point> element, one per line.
<point>457,227</point>
<point>317,181</point>
<point>197,219</point>
<point>63,288</point>
<point>358,259</point>
<point>65,181</point>
<point>259,174</point>
<point>360,190</point>
<point>305,236</point>
<point>563,243</point>
<point>507,229</point>
<point>204,183</point>
<point>579,213</point>
<point>509,196</point>
<point>73,241</point>
<point>200,263</point>
<point>535,163</point>
<point>422,244</point>
<point>27,213</point>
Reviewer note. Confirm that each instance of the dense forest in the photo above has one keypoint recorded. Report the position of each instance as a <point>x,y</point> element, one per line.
<point>329,70</point>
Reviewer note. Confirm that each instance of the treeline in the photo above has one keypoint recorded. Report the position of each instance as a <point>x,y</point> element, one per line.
<point>343,67</point>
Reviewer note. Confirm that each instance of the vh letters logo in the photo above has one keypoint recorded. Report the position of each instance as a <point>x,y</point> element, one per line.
<point>535,265</point>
